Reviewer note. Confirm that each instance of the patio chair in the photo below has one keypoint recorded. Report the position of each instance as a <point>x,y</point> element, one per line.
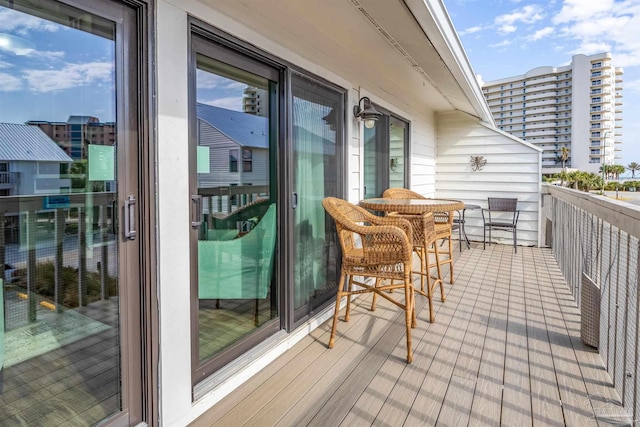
<point>424,239</point>
<point>501,214</point>
<point>227,227</point>
<point>240,268</point>
<point>373,247</point>
<point>443,223</point>
<point>1,335</point>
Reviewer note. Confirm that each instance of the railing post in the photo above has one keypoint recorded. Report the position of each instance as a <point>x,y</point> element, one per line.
<point>82,257</point>
<point>104,259</point>
<point>58,236</point>
<point>31,264</point>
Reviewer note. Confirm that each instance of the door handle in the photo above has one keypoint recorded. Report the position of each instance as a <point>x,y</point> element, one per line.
<point>196,213</point>
<point>130,218</point>
<point>294,200</point>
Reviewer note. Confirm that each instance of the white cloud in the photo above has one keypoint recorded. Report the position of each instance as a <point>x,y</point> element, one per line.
<point>506,29</point>
<point>528,14</point>
<point>601,26</point>
<point>235,85</point>
<point>9,83</point>
<point>21,23</point>
<point>46,55</point>
<point>69,76</point>
<point>573,10</point>
<point>540,34</point>
<point>501,44</point>
<point>4,64</point>
<point>231,103</point>
<point>206,80</point>
<point>470,30</point>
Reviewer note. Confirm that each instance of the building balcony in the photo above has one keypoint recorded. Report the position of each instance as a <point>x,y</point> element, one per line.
<point>505,348</point>
<point>8,178</point>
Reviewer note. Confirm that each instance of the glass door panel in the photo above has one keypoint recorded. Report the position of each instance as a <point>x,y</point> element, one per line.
<point>61,248</point>
<point>398,137</point>
<point>234,205</point>
<point>385,155</point>
<point>317,125</point>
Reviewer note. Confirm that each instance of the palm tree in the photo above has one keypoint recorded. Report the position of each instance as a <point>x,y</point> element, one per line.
<point>564,155</point>
<point>633,167</point>
<point>617,170</point>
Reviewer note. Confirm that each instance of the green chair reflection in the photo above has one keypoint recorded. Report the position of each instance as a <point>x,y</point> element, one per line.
<point>1,333</point>
<point>240,268</point>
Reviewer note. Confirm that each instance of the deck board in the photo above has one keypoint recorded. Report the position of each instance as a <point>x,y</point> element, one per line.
<point>505,349</point>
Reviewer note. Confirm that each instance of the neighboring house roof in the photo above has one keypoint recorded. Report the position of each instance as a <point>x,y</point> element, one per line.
<point>248,130</point>
<point>29,143</point>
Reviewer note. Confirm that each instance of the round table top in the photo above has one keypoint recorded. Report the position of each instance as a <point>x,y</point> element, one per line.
<point>412,206</point>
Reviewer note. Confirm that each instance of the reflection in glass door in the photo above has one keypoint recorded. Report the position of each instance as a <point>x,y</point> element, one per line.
<point>234,206</point>
<point>62,250</point>
<point>317,122</point>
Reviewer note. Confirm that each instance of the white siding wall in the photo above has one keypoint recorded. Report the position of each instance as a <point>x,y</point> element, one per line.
<point>422,149</point>
<point>219,146</point>
<point>512,170</point>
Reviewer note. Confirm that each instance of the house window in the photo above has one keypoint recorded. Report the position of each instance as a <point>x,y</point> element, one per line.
<point>247,160</point>
<point>386,150</point>
<point>233,160</point>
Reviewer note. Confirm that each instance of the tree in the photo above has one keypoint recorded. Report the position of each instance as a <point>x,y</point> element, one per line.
<point>564,155</point>
<point>617,170</point>
<point>584,181</point>
<point>633,167</point>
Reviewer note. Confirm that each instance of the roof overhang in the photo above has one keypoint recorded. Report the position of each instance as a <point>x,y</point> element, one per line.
<point>404,50</point>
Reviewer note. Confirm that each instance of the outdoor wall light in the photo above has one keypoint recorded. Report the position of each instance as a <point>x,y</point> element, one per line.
<point>366,112</point>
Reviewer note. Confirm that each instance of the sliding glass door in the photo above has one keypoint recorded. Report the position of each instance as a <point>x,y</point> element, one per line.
<point>317,122</point>
<point>234,205</point>
<point>266,145</point>
<point>70,285</point>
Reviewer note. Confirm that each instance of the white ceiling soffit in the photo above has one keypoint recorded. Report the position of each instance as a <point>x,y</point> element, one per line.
<point>363,41</point>
<point>431,43</point>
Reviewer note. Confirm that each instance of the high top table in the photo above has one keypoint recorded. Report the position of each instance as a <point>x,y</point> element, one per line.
<point>412,206</point>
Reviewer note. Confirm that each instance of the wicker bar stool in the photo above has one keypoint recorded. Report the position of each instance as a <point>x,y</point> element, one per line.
<point>425,240</point>
<point>373,247</point>
<point>444,226</point>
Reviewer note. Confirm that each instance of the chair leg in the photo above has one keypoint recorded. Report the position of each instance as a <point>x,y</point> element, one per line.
<point>451,278</point>
<point>408,313</point>
<point>442,297</point>
<point>349,290</point>
<point>515,240</point>
<point>484,237</point>
<point>337,311</point>
<point>429,290</point>
<point>374,299</point>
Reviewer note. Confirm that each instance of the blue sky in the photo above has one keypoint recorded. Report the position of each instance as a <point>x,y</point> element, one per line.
<point>49,71</point>
<point>504,38</point>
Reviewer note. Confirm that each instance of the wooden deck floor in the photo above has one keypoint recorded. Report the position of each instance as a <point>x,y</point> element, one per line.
<point>505,349</point>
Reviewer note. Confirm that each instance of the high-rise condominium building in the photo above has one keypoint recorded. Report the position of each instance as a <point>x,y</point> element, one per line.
<point>74,135</point>
<point>578,106</point>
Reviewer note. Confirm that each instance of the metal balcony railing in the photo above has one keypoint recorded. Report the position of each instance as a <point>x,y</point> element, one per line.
<point>598,238</point>
<point>8,177</point>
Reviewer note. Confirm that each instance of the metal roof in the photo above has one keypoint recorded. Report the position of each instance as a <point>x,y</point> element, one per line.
<point>248,130</point>
<point>29,144</point>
